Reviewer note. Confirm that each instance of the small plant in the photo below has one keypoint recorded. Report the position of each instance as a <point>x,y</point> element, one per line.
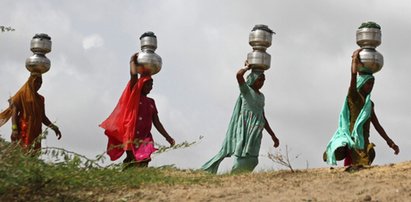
<point>6,29</point>
<point>283,159</point>
<point>185,144</point>
<point>370,25</point>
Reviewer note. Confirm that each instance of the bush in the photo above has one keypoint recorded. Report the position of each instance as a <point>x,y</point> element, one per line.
<point>71,176</point>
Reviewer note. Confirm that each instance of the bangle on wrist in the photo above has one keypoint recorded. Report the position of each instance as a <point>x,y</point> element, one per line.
<point>390,143</point>
<point>52,126</point>
<point>14,127</point>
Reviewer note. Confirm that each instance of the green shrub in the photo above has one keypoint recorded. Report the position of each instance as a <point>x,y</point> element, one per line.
<point>68,176</point>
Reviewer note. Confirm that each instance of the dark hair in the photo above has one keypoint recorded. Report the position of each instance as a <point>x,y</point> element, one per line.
<point>150,34</point>
<point>263,27</point>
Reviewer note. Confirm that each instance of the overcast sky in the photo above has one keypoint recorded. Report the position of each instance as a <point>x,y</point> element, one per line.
<point>203,44</point>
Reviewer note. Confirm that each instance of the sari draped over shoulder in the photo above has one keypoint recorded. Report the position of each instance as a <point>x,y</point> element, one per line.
<point>30,107</point>
<point>120,126</point>
<point>354,139</point>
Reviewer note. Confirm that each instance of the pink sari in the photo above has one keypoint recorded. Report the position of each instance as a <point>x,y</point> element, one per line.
<point>120,126</point>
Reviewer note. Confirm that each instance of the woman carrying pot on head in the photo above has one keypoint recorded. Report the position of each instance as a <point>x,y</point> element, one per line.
<point>244,134</point>
<point>27,115</point>
<point>351,140</point>
<point>129,125</point>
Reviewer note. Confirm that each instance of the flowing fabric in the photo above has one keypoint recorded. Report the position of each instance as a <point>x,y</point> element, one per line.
<point>5,115</point>
<point>30,108</point>
<point>343,137</point>
<point>244,164</point>
<point>120,126</point>
<point>243,137</point>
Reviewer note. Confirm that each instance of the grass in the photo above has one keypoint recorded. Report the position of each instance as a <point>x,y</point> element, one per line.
<point>29,178</point>
<point>68,176</point>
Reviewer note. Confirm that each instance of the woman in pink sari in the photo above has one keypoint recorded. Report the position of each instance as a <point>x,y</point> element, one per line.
<point>129,125</point>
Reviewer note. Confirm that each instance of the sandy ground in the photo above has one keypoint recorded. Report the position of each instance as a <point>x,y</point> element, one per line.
<point>378,183</point>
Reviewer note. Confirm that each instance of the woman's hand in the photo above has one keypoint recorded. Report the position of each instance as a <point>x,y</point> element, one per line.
<point>145,73</point>
<point>171,141</point>
<point>241,72</point>
<point>133,58</point>
<point>276,141</point>
<point>14,136</point>
<point>133,64</point>
<point>246,65</point>
<point>356,62</point>
<point>394,147</point>
<point>56,130</point>
<point>58,133</point>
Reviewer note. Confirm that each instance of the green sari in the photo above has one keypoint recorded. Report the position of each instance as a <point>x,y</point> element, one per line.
<point>243,137</point>
<point>343,137</point>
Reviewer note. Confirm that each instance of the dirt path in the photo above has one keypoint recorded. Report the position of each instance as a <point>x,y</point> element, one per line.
<point>378,183</point>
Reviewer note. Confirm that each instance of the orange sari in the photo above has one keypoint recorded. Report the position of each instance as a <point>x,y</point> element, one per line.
<point>30,113</point>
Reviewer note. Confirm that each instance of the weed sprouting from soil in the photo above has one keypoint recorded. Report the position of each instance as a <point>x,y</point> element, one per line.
<point>283,159</point>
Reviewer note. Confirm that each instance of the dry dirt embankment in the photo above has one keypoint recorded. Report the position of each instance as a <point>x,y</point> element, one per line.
<point>378,183</point>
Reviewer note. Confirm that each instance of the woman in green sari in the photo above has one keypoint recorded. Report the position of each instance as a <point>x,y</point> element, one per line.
<point>243,137</point>
<point>351,140</point>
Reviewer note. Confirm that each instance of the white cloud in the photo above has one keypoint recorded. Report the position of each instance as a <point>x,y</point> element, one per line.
<point>93,41</point>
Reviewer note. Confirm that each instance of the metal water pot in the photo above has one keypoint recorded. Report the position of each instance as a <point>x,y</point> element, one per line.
<point>148,42</point>
<point>260,39</point>
<point>259,60</point>
<point>147,58</point>
<point>38,63</point>
<point>368,37</point>
<point>41,43</point>
<point>150,61</point>
<point>372,60</point>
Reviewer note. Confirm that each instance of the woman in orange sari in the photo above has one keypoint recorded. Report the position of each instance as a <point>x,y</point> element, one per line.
<point>27,115</point>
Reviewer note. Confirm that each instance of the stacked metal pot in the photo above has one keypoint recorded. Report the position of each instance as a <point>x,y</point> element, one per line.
<point>368,38</point>
<point>40,45</point>
<point>147,58</point>
<point>260,39</point>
